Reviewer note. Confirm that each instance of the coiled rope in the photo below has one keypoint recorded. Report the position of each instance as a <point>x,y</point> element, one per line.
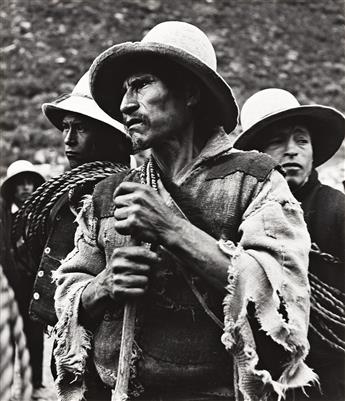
<point>32,218</point>
<point>12,339</point>
<point>327,319</point>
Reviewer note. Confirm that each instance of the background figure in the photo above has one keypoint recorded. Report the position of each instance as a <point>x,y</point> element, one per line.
<point>301,138</point>
<point>13,351</point>
<point>21,181</point>
<point>95,146</point>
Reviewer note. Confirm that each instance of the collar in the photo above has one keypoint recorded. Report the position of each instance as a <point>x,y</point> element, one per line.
<point>218,144</point>
<point>305,190</point>
<point>14,208</point>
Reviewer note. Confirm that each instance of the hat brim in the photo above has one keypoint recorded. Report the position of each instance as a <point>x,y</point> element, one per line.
<point>8,182</point>
<point>111,67</point>
<point>327,136</point>
<point>55,112</point>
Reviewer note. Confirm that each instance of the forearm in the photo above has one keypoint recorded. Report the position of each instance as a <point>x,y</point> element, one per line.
<point>198,251</point>
<point>93,302</point>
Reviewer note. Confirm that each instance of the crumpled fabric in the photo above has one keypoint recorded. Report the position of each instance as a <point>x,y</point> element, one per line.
<point>276,286</point>
<point>73,341</point>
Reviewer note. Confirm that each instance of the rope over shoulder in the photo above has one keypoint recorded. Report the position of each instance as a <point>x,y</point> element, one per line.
<point>31,221</point>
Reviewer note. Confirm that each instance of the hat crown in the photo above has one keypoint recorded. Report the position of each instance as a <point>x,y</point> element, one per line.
<point>82,87</point>
<point>20,166</point>
<point>265,103</point>
<point>185,37</point>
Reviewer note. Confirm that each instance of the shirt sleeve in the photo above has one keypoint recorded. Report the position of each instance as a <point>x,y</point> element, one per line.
<point>267,276</point>
<point>72,339</point>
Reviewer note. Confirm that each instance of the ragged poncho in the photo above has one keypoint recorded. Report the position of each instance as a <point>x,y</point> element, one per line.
<point>246,205</point>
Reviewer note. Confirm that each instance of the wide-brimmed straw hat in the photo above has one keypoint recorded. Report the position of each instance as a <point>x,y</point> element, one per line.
<point>78,101</point>
<point>173,41</point>
<point>16,169</point>
<point>270,105</point>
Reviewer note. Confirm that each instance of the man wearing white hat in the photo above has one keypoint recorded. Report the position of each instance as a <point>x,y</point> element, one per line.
<point>216,232</point>
<point>302,138</point>
<point>95,146</point>
<point>21,180</point>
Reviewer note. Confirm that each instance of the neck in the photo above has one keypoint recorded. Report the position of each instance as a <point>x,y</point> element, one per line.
<point>174,154</point>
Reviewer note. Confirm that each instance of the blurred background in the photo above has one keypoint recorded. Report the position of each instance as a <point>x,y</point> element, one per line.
<point>46,45</point>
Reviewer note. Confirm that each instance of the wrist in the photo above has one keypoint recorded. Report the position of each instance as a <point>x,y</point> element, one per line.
<point>172,238</point>
<point>93,300</point>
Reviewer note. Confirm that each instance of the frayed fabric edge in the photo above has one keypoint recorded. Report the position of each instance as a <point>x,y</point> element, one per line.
<point>254,384</point>
<point>73,343</point>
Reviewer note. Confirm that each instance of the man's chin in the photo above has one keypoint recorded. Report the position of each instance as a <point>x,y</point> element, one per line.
<point>138,145</point>
<point>294,182</point>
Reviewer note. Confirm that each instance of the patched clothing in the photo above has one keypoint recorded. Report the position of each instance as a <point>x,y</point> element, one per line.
<point>244,203</point>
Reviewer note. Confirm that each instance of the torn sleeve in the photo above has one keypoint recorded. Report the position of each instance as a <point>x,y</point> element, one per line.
<point>72,340</point>
<point>267,275</point>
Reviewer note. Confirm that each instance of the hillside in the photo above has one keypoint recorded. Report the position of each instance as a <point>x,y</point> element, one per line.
<point>46,45</point>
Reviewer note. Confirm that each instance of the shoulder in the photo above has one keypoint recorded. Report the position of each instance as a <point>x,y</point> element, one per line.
<point>330,196</point>
<point>103,193</point>
<point>253,163</point>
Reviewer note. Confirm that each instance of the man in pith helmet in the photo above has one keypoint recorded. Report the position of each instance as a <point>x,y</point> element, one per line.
<point>95,146</point>
<point>207,241</point>
<point>301,138</point>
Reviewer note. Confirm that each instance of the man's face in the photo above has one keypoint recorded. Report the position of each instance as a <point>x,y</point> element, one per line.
<point>79,133</point>
<point>290,145</point>
<point>23,187</point>
<point>152,112</point>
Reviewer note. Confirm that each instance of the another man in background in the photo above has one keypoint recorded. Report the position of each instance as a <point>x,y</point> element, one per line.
<point>95,146</point>
<point>301,138</point>
<point>21,181</point>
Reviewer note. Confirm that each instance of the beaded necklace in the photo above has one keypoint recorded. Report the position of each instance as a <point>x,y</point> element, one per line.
<point>149,174</point>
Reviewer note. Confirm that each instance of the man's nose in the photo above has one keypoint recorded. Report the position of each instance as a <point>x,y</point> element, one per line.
<point>129,103</point>
<point>27,184</point>
<point>70,137</point>
<point>291,148</point>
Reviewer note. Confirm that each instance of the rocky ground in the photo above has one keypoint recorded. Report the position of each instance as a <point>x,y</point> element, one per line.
<point>46,45</point>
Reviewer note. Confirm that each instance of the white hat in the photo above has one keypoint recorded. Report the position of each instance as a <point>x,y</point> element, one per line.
<point>174,41</point>
<point>270,105</point>
<point>79,101</point>
<point>16,169</point>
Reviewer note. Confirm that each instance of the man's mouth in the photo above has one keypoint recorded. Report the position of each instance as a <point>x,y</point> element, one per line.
<point>131,122</point>
<point>71,154</point>
<point>291,166</point>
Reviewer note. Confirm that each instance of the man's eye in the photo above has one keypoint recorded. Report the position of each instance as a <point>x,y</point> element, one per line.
<point>274,141</point>
<point>302,140</point>
<point>79,127</point>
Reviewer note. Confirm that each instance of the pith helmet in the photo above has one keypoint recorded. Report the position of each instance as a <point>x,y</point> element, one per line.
<point>270,105</point>
<point>78,101</point>
<point>16,169</point>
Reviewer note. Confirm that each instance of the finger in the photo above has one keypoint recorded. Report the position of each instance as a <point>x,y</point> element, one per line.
<point>138,254</point>
<point>130,281</point>
<point>127,267</point>
<point>125,200</point>
<point>122,213</point>
<point>128,293</point>
<point>127,187</point>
